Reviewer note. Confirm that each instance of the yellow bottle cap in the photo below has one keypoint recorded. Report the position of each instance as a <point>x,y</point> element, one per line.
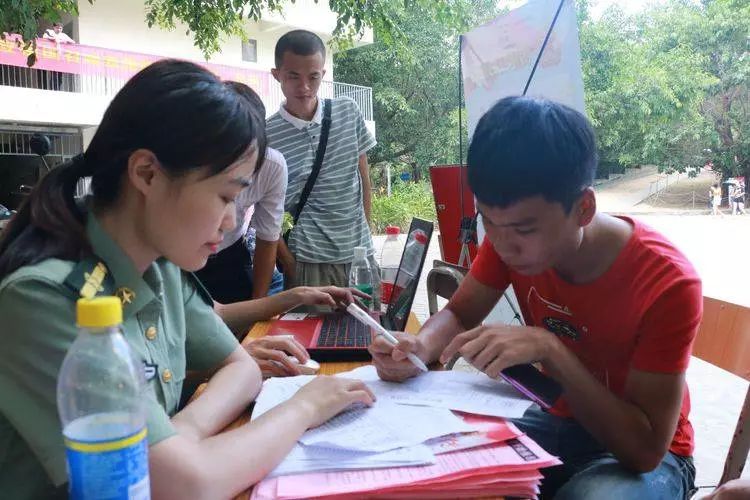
<point>99,312</point>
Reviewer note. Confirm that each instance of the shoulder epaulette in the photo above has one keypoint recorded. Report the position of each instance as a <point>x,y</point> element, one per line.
<point>90,277</point>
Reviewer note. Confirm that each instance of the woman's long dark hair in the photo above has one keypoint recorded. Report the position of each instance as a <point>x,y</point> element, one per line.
<point>176,109</point>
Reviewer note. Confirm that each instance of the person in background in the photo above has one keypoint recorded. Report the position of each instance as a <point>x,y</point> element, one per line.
<point>335,218</point>
<point>277,278</point>
<point>53,80</point>
<point>146,184</point>
<point>234,274</point>
<point>738,199</point>
<point>56,34</point>
<point>714,194</point>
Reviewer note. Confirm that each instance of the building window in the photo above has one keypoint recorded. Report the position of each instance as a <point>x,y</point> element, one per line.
<point>250,50</point>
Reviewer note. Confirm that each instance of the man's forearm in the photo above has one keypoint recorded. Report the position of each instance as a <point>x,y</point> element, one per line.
<point>364,174</point>
<point>367,200</point>
<point>264,262</point>
<point>621,426</point>
<point>437,332</point>
<point>286,257</point>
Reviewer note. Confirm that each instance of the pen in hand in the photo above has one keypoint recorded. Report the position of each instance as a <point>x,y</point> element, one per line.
<point>369,321</point>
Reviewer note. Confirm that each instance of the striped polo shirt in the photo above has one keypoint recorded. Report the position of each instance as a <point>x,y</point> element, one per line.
<point>333,220</point>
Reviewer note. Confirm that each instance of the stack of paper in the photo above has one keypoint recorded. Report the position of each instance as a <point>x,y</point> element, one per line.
<point>510,468</point>
<point>411,443</point>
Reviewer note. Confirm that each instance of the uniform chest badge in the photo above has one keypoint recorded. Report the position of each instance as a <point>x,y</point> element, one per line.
<point>125,294</point>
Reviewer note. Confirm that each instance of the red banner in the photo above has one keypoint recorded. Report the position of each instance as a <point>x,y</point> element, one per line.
<point>97,61</point>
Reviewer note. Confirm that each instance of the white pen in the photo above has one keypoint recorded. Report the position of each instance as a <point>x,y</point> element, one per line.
<point>365,318</point>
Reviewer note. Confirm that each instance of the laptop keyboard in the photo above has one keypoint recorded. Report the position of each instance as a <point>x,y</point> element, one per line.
<point>343,331</point>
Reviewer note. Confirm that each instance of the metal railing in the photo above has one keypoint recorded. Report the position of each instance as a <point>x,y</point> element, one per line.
<point>102,72</point>
<point>361,95</point>
<point>32,78</point>
<point>64,142</point>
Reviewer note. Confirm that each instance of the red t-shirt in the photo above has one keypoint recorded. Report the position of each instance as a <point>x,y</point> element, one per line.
<point>643,313</point>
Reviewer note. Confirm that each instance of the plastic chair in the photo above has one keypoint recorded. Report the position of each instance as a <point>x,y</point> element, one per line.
<point>442,281</point>
<point>738,450</point>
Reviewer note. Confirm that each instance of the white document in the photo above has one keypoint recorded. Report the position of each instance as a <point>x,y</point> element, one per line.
<point>304,459</point>
<point>385,426</point>
<point>277,390</point>
<point>461,391</point>
<point>382,427</point>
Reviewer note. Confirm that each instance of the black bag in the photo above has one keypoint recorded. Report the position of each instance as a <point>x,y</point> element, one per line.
<point>317,164</point>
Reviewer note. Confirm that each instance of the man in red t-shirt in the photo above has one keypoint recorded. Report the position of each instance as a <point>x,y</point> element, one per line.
<point>611,310</point>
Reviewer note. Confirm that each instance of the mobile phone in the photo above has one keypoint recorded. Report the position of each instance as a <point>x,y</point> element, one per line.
<point>533,384</point>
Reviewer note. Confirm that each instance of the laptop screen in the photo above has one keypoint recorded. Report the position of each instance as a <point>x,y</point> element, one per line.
<point>407,277</point>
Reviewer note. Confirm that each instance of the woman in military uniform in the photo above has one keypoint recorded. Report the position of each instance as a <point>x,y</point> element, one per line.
<point>174,145</point>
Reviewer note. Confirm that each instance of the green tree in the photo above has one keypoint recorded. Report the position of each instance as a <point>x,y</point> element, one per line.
<point>23,17</point>
<point>643,100</point>
<point>210,20</point>
<point>718,30</point>
<point>415,87</point>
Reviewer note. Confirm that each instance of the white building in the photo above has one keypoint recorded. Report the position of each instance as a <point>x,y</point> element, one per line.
<point>65,94</point>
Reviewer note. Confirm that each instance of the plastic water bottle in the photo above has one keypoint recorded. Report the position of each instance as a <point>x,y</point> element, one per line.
<point>100,393</point>
<point>390,258</point>
<point>360,274</point>
<point>408,274</point>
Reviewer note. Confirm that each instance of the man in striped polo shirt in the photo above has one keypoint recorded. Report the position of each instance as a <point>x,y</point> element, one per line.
<point>335,218</point>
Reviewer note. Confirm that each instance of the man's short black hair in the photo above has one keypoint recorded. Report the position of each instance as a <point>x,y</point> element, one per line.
<point>300,42</point>
<point>525,147</point>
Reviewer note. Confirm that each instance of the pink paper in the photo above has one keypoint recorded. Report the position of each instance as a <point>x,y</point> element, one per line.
<point>520,454</point>
<point>488,430</point>
<point>517,490</point>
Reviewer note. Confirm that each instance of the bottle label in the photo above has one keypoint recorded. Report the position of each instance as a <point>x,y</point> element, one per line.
<point>114,469</point>
<point>387,287</point>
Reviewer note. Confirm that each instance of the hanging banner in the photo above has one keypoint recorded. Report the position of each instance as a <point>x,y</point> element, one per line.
<point>498,57</point>
<point>114,64</point>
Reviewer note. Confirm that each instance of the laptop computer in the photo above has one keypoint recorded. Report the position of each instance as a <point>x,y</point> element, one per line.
<point>338,336</point>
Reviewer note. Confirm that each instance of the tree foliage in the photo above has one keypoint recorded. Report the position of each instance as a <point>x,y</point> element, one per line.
<point>670,85</point>
<point>415,87</point>
<point>22,17</point>
<point>643,102</point>
<point>211,20</point>
<point>667,86</point>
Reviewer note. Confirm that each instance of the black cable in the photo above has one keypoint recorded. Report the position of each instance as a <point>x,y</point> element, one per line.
<point>544,45</point>
<point>460,104</point>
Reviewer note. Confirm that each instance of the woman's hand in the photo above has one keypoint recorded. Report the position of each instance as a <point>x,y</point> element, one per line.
<point>272,355</point>
<point>325,397</point>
